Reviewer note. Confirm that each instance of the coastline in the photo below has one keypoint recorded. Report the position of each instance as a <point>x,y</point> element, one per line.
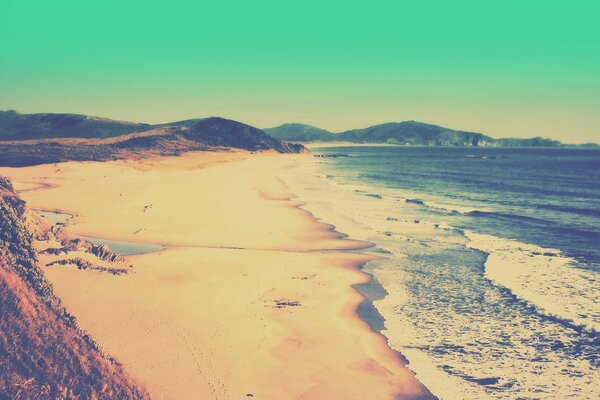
<point>216,313</point>
<point>450,340</point>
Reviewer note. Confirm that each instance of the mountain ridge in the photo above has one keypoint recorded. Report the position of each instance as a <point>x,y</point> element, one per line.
<point>208,134</point>
<point>406,133</point>
<point>15,126</point>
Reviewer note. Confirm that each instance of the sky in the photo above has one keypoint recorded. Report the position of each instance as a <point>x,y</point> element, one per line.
<point>504,68</point>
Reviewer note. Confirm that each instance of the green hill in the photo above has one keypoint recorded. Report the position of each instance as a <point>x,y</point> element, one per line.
<point>16,126</point>
<point>412,133</point>
<point>300,133</point>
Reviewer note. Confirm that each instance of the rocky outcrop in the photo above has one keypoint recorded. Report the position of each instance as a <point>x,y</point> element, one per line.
<point>332,155</point>
<point>43,353</point>
<point>103,252</point>
<point>6,184</point>
<point>16,247</point>
<point>80,263</point>
<point>300,133</point>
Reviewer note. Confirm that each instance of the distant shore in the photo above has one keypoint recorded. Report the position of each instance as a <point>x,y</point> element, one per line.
<point>252,296</point>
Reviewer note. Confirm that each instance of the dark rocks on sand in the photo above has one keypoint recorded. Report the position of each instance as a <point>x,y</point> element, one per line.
<point>283,303</point>
<point>80,263</point>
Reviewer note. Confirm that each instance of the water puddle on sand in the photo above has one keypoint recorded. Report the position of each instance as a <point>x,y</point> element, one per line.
<point>122,248</point>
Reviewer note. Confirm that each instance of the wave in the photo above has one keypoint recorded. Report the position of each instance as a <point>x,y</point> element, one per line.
<point>572,210</point>
<point>542,277</point>
<point>453,208</point>
<point>499,215</point>
<point>488,352</point>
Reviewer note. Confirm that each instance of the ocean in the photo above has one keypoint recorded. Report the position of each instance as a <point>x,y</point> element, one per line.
<point>488,281</point>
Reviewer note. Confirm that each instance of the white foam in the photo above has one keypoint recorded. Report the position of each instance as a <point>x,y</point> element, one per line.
<point>454,207</point>
<point>514,364</point>
<point>416,329</point>
<point>542,277</point>
<point>403,336</point>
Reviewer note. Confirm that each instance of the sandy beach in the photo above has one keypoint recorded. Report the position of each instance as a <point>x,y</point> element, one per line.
<point>252,296</point>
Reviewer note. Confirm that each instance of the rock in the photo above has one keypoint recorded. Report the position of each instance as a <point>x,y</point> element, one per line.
<point>84,264</point>
<point>332,155</point>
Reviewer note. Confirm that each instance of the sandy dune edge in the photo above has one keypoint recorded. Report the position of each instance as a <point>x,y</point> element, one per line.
<point>248,300</point>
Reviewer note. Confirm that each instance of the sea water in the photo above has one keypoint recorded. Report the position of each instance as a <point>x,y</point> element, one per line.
<point>491,261</point>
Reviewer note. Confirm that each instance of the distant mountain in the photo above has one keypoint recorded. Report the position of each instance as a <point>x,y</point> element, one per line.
<point>531,142</point>
<point>414,133</point>
<point>15,126</point>
<point>206,134</point>
<point>300,133</point>
<point>404,133</point>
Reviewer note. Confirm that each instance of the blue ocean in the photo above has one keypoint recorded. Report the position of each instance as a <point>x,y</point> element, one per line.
<point>489,276</point>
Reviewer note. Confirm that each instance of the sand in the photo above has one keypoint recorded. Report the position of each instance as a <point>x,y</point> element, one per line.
<point>252,297</point>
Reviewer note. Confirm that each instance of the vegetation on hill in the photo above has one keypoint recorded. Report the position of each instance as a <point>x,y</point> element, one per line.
<point>206,134</point>
<point>414,133</point>
<point>210,132</point>
<point>531,142</point>
<point>226,133</point>
<point>300,133</point>
<point>15,126</point>
<point>220,132</point>
<point>404,133</point>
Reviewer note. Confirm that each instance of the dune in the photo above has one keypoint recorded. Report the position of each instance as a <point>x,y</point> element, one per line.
<point>251,296</point>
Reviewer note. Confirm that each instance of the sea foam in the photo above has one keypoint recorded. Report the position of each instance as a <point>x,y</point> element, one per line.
<point>464,334</point>
<point>543,277</point>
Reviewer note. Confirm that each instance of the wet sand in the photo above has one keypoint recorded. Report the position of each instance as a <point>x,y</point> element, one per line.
<point>252,296</point>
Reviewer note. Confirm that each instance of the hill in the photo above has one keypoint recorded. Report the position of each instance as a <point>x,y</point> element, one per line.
<point>300,133</point>
<point>220,132</point>
<point>403,133</point>
<point>414,133</point>
<point>531,142</point>
<point>205,134</point>
<point>15,126</point>
<point>214,131</point>
<point>44,353</point>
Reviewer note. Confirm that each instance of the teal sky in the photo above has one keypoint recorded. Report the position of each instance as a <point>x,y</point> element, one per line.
<point>505,68</point>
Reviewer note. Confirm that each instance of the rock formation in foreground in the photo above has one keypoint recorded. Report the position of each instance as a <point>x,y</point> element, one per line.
<point>43,353</point>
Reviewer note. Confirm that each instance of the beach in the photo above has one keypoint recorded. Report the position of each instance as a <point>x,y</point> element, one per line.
<point>251,296</point>
<point>480,278</point>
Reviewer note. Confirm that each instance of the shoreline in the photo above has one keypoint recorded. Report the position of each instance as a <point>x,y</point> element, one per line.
<point>322,249</point>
